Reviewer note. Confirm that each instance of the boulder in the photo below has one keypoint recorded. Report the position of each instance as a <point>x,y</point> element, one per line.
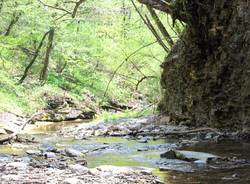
<point>188,155</point>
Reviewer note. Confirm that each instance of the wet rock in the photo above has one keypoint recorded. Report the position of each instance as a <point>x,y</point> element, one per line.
<point>168,155</point>
<point>73,153</point>
<point>200,162</point>
<point>140,137</point>
<point>143,149</point>
<point>233,177</point>
<point>180,168</point>
<point>84,151</point>
<point>142,140</point>
<point>156,138</point>
<point>209,135</point>
<point>175,165</point>
<point>127,137</point>
<point>227,162</point>
<point>188,155</point>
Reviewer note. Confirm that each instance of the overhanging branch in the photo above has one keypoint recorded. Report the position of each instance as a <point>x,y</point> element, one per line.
<point>159,5</point>
<point>173,8</point>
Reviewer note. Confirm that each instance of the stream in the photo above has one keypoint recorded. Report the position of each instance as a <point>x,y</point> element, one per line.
<point>121,151</point>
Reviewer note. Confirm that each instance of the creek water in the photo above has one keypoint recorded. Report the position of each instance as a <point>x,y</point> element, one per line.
<point>119,151</point>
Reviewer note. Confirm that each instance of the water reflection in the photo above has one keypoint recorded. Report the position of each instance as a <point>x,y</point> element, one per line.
<point>47,127</point>
<point>224,176</point>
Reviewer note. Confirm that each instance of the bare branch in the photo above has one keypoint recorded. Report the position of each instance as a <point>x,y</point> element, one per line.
<point>160,25</point>
<point>159,5</point>
<point>151,28</point>
<point>53,7</point>
<point>122,63</point>
<point>142,79</point>
<point>168,7</point>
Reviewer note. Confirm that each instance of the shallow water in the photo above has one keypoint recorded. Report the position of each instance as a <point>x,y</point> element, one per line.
<point>228,148</point>
<point>122,152</point>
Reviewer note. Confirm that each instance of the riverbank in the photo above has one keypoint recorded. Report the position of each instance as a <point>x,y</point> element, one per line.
<point>156,148</point>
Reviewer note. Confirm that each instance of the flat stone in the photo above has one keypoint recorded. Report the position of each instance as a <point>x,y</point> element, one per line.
<point>127,137</point>
<point>233,177</point>
<point>142,149</point>
<point>180,168</point>
<point>142,141</point>
<point>78,168</point>
<point>85,151</point>
<point>33,152</point>
<point>73,153</point>
<point>156,138</point>
<point>48,148</point>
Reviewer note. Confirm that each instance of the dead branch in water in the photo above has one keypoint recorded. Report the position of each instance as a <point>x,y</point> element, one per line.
<point>183,132</point>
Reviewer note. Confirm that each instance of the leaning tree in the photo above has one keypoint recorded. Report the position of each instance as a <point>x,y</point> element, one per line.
<point>205,76</point>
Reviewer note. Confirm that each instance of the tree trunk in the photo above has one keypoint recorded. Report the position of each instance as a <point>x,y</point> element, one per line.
<point>14,20</point>
<point>44,72</point>
<point>206,76</point>
<point>26,71</point>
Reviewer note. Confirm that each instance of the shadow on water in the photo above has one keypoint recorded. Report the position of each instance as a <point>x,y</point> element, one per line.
<point>222,176</point>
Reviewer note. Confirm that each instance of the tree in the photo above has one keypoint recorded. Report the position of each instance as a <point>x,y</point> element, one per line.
<point>44,72</point>
<point>205,77</point>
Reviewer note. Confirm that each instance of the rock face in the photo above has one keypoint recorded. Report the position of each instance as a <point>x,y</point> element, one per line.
<point>64,108</point>
<point>205,78</point>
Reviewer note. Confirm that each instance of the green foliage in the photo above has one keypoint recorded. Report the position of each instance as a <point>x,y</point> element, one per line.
<point>89,51</point>
<point>107,116</point>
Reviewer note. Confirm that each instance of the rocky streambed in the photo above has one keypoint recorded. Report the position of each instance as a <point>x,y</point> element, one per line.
<point>132,150</point>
